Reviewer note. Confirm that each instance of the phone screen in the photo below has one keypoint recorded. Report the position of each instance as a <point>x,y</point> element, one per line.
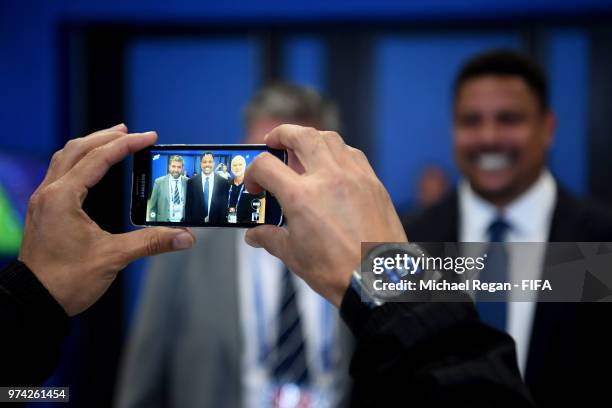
<point>200,185</point>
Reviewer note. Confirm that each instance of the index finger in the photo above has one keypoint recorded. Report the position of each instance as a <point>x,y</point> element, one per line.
<point>306,143</point>
<point>75,149</point>
<point>91,168</point>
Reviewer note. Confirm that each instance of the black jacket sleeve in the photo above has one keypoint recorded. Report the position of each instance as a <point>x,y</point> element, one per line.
<point>430,354</point>
<point>33,324</point>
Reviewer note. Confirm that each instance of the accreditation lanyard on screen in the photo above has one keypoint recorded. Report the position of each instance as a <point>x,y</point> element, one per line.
<point>229,196</point>
<point>263,346</point>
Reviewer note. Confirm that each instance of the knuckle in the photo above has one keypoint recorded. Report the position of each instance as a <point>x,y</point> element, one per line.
<point>378,187</point>
<point>57,157</point>
<point>153,244</point>
<point>35,201</point>
<point>284,130</point>
<point>42,197</point>
<point>319,141</point>
<point>360,153</point>
<point>73,144</point>
<point>310,131</point>
<point>336,137</point>
<point>99,155</point>
<point>95,154</point>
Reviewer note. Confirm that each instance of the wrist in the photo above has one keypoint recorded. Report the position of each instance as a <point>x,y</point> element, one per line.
<point>338,289</point>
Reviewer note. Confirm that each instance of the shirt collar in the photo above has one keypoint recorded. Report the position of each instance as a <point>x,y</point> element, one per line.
<point>529,215</point>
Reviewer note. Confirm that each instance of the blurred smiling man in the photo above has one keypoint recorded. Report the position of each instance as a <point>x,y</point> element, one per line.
<point>503,129</point>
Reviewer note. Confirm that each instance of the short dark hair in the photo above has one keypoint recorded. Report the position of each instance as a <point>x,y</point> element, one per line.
<point>505,63</point>
<point>207,154</point>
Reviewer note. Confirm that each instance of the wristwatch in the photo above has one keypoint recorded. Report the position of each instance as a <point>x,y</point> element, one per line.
<point>368,284</point>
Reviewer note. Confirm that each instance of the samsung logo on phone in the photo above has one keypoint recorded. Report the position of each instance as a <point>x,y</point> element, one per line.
<point>141,185</point>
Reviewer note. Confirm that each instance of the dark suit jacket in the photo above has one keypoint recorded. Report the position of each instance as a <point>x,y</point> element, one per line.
<point>422,355</point>
<point>571,343</point>
<point>194,206</point>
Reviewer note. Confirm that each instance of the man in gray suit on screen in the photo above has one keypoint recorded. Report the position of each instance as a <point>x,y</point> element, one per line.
<point>225,324</point>
<point>167,203</point>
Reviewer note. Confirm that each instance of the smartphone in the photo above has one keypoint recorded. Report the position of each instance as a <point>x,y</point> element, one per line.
<point>200,186</point>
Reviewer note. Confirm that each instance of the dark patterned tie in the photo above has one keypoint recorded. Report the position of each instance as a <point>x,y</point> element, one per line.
<point>496,270</point>
<point>289,359</point>
<point>176,199</point>
<point>206,186</point>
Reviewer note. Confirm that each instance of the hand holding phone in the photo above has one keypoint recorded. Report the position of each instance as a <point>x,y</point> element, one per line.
<point>334,202</point>
<point>68,253</point>
<point>200,186</point>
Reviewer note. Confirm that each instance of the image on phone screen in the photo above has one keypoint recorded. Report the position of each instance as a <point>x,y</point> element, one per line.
<point>200,185</point>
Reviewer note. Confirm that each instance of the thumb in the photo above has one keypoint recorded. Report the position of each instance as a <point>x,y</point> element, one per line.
<point>270,237</point>
<point>152,241</point>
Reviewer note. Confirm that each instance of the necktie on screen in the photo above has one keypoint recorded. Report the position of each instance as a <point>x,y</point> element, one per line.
<point>206,185</point>
<point>176,199</point>
<point>496,270</point>
<point>289,360</point>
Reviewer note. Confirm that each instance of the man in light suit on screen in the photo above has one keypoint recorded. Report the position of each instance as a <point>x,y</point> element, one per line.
<point>167,203</point>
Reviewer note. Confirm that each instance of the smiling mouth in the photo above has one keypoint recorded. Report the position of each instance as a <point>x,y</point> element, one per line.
<point>494,161</point>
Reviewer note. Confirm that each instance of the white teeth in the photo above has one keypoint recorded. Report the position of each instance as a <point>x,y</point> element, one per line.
<point>493,161</point>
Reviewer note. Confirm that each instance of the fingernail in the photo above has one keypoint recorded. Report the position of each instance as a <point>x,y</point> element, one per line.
<point>184,240</point>
<point>150,132</point>
<point>250,241</point>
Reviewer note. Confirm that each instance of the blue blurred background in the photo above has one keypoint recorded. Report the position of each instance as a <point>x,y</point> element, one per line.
<point>187,68</point>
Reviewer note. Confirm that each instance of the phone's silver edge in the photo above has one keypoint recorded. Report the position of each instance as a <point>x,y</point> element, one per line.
<point>213,144</point>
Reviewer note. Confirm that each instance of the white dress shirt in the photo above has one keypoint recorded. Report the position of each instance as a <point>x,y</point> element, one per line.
<point>176,210</point>
<point>529,217</point>
<point>211,186</point>
<point>319,323</point>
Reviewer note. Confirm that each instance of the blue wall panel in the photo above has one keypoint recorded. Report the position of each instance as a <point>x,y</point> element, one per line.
<point>568,67</point>
<point>304,61</point>
<point>191,91</point>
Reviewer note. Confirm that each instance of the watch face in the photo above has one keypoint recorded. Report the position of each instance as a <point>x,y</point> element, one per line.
<point>388,270</point>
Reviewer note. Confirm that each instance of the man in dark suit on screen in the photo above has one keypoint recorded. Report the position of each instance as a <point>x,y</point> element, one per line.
<point>503,128</point>
<point>206,194</point>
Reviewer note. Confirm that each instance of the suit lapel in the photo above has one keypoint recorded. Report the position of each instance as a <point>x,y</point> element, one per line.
<point>549,315</point>
<point>223,251</point>
<point>184,184</point>
<point>164,196</point>
<point>200,189</point>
